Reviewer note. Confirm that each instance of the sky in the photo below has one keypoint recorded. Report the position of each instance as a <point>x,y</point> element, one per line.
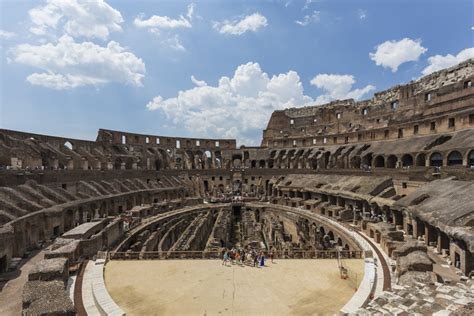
<point>214,69</point>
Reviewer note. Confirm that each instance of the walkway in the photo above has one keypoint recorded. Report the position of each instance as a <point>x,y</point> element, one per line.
<point>11,294</point>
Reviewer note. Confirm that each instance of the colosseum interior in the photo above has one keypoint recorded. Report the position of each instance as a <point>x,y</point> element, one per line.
<point>387,182</point>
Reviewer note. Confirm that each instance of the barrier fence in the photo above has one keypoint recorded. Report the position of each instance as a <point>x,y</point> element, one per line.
<point>218,254</point>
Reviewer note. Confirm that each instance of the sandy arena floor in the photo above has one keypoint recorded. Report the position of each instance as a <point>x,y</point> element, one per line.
<point>206,287</point>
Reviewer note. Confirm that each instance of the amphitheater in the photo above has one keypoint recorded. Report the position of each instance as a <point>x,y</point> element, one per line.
<point>367,208</point>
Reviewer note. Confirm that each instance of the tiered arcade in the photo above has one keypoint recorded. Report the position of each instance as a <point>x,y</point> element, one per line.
<point>398,167</point>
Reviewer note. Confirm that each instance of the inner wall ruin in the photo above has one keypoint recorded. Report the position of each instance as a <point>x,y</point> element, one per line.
<point>394,174</point>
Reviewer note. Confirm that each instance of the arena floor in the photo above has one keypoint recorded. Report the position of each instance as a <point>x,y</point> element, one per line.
<point>206,287</point>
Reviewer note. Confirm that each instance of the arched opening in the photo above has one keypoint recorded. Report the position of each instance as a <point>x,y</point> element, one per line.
<point>454,158</point>
<point>261,163</point>
<point>392,161</point>
<point>270,163</point>
<point>236,163</point>
<point>407,160</point>
<point>436,160</point>
<point>129,163</point>
<point>421,160</point>
<point>470,158</point>
<point>68,145</point>
<point>331,235</point>
<point>158,164</point>
<point>253,164</point>
<point>355,162</point>
<point>379,162</point>
<point>325,158</point>
<point>367,160</point>
<point>118,164</point>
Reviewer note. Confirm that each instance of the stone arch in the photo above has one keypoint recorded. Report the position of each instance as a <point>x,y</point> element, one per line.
<point>236,161</point>
<point>118,163</point>
<point>470,158</point>
<point>261,164</point>
<point>421,160</point>
<point>158,164</point>
<point>454,158</point>
<point>355,162</point>
<point>270,163</point>
<point>407,160</point>
<point>379,162</point>
<point>325,159</point>
<point>218,163</point>
<point>331,235</point>
<point>68,145</point>
<point>322,231</point>
<point>129,163</point>
<point>367,159</point>
<point>436,159</point>
<point>253,164</point>
<point>392,161</point>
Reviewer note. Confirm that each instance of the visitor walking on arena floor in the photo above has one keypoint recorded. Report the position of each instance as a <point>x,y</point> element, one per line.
<point>255,259</point>
<point>262,259</point>
<point>226,258</point>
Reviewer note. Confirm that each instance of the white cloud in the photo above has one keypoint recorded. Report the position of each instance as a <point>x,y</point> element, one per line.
<point>307,4</point>
<point>199,83</point>
<point>391,54</point>
<point>68,64</point>
<point>190,12</point>
<point>157,23</point>
<point>6,35</point>
<point>307,19</point>
<point>87,18</point>
<point>175,43</point>
<point>362,14</point>
<point>439,62</point>
<point>250,23</point>
<point>338,87</point>
<point>237,107</point>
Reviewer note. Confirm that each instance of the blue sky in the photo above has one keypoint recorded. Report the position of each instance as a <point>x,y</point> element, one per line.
<point>70,68</point>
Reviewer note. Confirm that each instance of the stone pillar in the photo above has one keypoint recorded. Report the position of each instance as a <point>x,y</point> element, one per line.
<point>414,223</point>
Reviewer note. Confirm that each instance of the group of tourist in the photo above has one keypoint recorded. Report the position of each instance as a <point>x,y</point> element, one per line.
<point>242,257</point>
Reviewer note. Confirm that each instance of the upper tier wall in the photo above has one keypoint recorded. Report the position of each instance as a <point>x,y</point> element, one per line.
<point>125,138</point>
<point>434,99</point>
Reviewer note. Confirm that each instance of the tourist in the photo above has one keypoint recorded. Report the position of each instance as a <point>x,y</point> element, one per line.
<point>226,258</point>
<point>262,259</point>
<point>255,259</point>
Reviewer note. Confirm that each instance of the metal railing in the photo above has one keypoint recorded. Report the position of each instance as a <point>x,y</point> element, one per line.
<point>218,254</point>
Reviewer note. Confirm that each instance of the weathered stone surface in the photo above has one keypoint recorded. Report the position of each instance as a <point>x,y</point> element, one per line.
<point>46,298</point>
<point>415,276</point>
<point>414,261</point>
<point>49,270</point>
<point>408,247</point>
